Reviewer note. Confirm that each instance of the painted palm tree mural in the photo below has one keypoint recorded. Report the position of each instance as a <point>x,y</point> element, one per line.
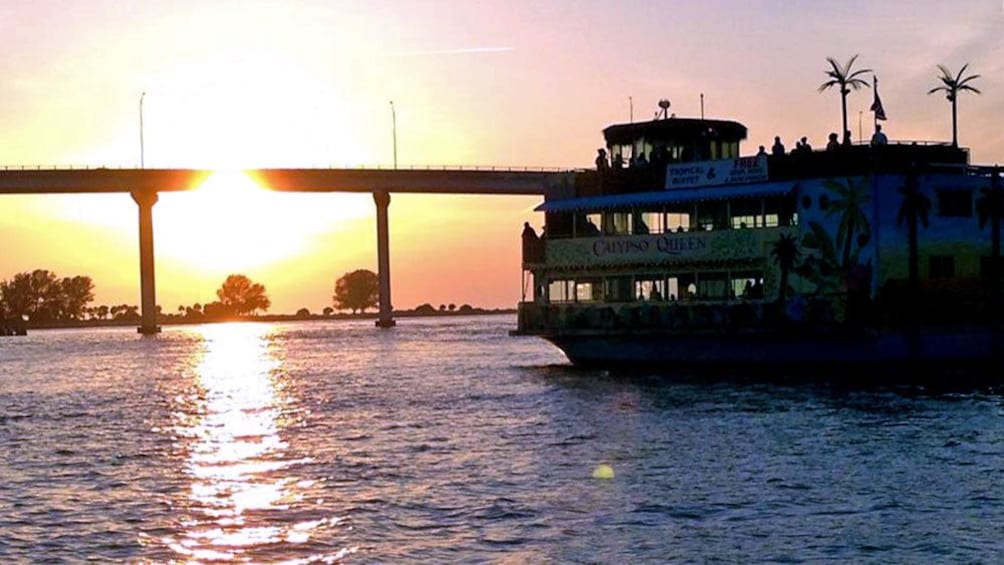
<point>833,263</point>
<point>785,253</point>
<point>846,79</point>
<point>952,85</point>
<point>913,211</point>
<point>850,200</point>
<point>990,208</point>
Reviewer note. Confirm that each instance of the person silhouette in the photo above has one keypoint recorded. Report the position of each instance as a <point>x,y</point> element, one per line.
<point>879,138</point>
<point>833,144</point>
<point>778,147</point>
<point>601,159</point>
<point>528,231</point>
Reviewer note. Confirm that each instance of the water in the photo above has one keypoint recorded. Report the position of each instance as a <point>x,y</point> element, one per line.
<point>445,440</point>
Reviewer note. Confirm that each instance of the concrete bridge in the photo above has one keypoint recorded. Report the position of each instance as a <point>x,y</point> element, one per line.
<point>145,184</point>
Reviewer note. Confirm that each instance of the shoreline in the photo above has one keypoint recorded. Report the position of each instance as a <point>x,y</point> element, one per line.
<point>174,321</point>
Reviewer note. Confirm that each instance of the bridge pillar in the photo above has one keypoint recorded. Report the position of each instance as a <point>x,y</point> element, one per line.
<point>148,296</point>
<point>386,317</point>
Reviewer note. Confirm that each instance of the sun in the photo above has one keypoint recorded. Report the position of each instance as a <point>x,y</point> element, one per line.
<point>231,223</point>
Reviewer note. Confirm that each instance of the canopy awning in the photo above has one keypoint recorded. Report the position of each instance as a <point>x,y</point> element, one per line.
<point>645,199</point>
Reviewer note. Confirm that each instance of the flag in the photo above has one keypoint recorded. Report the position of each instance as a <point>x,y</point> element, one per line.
<point>877,104</point>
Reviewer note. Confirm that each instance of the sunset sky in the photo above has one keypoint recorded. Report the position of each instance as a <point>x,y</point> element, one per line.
<point>234,85</point>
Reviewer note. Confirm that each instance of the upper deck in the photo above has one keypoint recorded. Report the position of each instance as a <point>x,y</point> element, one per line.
<point>641,154</point>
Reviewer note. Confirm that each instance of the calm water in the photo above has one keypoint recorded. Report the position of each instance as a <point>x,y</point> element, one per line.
<point>448,441</point>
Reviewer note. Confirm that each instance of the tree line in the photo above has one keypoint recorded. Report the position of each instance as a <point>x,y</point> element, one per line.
<point>41,296</point>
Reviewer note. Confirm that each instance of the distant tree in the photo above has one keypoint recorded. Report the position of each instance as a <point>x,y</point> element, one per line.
<point>131,312</point>
<point>217,311</point>
<point>846,80</point>
<point>425,309</point>
<point>952,85</point>
<point>102,312</point>
<point>357,291</point>
<point>197,308</point>
<point>452,307</point>
<point>465,308</point>
<point>181,309</point>
<point>328,310</point>
<point>303,313</point>
<point>442,307</point>
<point>242,295</point>
<point>42,296</point>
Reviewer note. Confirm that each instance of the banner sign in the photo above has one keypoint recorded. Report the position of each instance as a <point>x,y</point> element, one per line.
<point>723,171</point>
<point>720,245</point>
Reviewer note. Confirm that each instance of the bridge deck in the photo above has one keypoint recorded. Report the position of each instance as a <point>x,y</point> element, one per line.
<point>430,181</point>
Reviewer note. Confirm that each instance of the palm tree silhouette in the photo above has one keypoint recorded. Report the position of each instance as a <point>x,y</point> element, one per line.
<point>851,199</point>
<point>846,80</point>
<point>952,86</point>
<point>785,252</point>
<point>914,209</point>
<point>990,208</point>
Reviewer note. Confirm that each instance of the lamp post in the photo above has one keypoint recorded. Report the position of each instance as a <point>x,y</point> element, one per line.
<point>393,121</point>
<point>142,162</point>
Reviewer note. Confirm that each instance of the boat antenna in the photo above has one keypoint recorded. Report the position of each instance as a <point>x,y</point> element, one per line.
<point>702,105</point>
<point>663,109</point>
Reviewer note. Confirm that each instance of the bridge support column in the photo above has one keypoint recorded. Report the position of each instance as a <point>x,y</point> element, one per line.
<point>148,296</point>
<point>386,317</point>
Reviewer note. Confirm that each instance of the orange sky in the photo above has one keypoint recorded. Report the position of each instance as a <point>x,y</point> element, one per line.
<point>250,84</point>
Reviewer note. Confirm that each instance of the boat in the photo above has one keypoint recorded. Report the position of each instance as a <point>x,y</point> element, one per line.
<point>681,251</point>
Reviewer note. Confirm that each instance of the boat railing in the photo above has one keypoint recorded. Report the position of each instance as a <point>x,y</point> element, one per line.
<point>681,316</point>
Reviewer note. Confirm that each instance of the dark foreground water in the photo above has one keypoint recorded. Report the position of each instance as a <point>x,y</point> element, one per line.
<point>448,441</point>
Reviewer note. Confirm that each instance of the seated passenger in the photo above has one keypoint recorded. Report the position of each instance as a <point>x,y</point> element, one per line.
<point>761,151</point>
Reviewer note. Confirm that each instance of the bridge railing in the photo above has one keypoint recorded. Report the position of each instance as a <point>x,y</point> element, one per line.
<point>360,167</point>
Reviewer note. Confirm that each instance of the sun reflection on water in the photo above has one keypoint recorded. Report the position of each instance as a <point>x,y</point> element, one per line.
<point>237,461</point>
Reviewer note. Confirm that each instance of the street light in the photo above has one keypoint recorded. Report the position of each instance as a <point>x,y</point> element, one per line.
<point>142,162</point>
<point>393,119</point>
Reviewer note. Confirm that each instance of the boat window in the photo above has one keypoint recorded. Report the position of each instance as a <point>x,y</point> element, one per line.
<point>746,214</point>
<point>650,289</point>
<point>648,222</point>
<point>617,223</point>
<point>747,285</point>
<point>672,288</point>
<point>587,290</point>
<point>624,151</point>
<point>560,291</point>
<point>711,215</point>
<point>677,221</point>
<point>619,289</point>
<point>712,286</point>
<point>587,225</point>
<point>687,285</point>
<point>744,222</point>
